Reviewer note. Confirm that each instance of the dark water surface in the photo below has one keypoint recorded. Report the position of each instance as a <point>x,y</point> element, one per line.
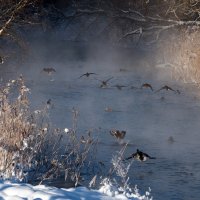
<point>148,118</point>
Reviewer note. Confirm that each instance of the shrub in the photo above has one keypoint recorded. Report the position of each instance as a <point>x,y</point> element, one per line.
<point>32,150</point>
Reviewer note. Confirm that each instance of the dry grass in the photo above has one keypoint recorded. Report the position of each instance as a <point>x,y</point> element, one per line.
<point>16,127</point>
<point>30,148</point>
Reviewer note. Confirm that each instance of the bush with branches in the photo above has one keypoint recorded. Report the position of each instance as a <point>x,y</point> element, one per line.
<point>30,148</point>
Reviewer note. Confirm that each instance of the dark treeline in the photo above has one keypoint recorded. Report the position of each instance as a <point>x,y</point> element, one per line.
<point>170,25</point>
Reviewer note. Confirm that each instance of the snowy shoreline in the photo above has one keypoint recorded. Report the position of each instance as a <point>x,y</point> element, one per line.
<point>22,191</point>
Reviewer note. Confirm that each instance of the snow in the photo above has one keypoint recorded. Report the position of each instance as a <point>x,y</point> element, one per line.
<point>22,191</point>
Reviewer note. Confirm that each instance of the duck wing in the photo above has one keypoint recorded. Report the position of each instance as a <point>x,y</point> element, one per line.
<point>108,79</point>
<point>159,89</point>
<point>148,156</point>
<point>82,75</point>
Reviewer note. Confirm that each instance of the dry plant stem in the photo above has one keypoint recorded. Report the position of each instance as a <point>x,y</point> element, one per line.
<point>119,160</point>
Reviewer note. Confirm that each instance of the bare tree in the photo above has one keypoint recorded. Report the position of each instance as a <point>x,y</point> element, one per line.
<point>13,15</point>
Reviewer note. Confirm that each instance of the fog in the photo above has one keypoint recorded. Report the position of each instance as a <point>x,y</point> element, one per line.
<point>149,118</point>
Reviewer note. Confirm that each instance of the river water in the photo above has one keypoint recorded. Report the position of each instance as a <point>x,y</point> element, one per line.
<point>148,118</point>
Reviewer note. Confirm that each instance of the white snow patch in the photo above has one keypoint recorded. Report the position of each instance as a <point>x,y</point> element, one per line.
<point>15,191</point>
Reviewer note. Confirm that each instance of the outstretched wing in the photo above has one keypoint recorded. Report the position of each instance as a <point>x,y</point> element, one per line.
<point>159,89</point>
<point>132,156</point>
<point>151,87</point>
<point>147,85</point>
<point>109,79</point>
<point>166,88</point>
<point>92,73</point>
<point>119,87</point>
<point>148,156</point>
<point>169,88</point>
<point>82,75</point>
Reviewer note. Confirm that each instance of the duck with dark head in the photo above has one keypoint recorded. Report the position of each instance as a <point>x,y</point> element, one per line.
<point>140,156</point>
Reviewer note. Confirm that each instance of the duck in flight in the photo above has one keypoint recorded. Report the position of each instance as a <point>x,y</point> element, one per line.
<point>139,155</point>
<point>146,85</point>
<point>166,88</point>
<point>104,84</point>
<point>119,87</point>
<point>118,134</point>
<point>87,74</point>
<point>49,70</point>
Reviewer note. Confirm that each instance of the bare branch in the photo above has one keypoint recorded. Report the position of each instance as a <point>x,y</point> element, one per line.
<point>136,31</point>
<point>17,9</point>
<point>87,11</point>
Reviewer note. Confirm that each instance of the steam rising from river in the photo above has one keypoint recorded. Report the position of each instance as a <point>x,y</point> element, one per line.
<point>148,119</point>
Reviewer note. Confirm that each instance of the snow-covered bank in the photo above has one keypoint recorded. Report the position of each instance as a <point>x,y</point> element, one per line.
<point>15,191</point>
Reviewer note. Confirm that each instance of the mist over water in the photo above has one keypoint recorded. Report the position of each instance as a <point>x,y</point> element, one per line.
<point>149,118</point>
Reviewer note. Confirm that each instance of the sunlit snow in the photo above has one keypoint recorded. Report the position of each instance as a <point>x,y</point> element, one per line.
<point>15,191</point>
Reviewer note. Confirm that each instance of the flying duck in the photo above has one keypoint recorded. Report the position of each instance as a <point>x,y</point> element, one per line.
<point>166,88</point>
<point>139,155</point>
<point>147,85</point>
<point>118,134</point>
<point>119,87</point>
<point>87,74</point>
<point>49,70</point>
<point>104,84</point>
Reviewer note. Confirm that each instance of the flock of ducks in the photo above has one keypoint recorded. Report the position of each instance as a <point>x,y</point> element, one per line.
<point>138,155</point>
<point>166,87</point>
<point>119,135</point>
<point>104,83</point>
